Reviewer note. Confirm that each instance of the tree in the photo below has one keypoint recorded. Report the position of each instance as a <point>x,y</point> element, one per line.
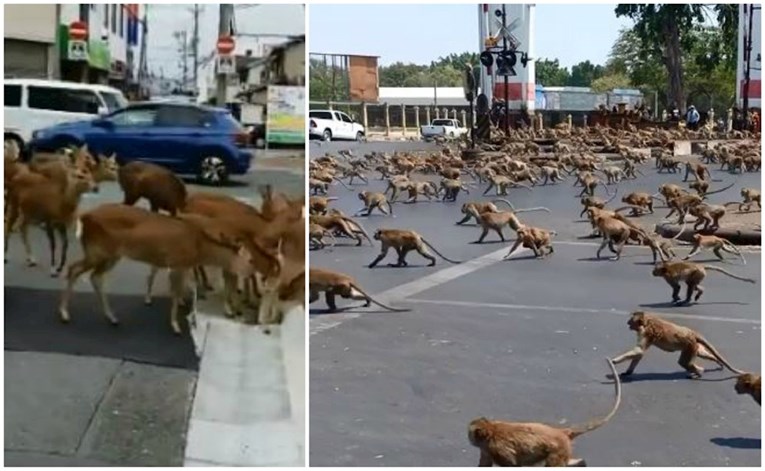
<point>665,31</point>
<point>550,74</point>
<point>609,82</point>
<point>584,73</point>
<point>327,83</point>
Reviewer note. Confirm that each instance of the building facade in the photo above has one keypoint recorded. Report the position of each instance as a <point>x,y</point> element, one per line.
<point>749,13</point>
<point>30,40</point>
<point>115,33</point>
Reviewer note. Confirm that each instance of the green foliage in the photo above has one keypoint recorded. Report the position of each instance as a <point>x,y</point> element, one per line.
<point>550,74</point>
<point>327,83</point>
<point>584,73</point>
<point>607,83</point>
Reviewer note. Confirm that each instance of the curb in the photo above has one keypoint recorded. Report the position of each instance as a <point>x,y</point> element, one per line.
<point>249,405</point>
<point>735,236</point>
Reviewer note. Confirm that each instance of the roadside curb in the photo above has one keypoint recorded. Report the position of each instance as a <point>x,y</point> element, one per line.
<point>735,236</point>
<point>248,409</point>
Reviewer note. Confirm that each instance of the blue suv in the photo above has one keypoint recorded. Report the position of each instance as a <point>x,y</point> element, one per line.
<point>187,139</point>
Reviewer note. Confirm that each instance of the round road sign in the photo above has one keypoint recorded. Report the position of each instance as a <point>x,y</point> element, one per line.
<point>225,45</point>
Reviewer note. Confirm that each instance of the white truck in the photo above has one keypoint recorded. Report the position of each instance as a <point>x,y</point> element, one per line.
<point>331,124</point>
<point>449,128</point>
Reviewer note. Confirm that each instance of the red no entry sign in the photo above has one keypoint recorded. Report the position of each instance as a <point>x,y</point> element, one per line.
<point>78,30</point>
<point>225,45</point>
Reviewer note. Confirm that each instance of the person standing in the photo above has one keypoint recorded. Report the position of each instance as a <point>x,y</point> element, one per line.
<point>692,118</point>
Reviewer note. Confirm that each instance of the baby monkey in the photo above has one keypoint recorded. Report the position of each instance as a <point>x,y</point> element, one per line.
<point>652,330</point>
<point>714,243</point>
<point>749,383</point>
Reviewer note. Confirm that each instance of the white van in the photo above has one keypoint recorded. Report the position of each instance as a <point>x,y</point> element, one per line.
<point>35,104</point>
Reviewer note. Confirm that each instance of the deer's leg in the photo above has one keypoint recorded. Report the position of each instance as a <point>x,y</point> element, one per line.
<point>52,244</point>
<point>178,280</point>
<point>97,280</point>
<point>24,230</point>
<point>150,285</point>
<point>76,270</point>
<point>64,249</point>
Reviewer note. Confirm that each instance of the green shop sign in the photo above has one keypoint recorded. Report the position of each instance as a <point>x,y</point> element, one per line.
<point>99,56</point>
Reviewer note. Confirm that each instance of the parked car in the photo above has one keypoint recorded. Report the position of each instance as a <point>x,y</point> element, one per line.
<point>443,128</point>
<point>186,138</point>
<point>35,104</point>
<point>331,124</point>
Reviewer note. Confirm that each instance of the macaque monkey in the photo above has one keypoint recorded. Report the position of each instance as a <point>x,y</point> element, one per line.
<point>670,190</point>
<point>342,225</point>
<point>699,171</point>
<point>675,272</point>
<point>707,214</point>
<point>403,242</point>
<point>701,187</point>
<point>643,201</point>
<point>319,204</point>
<point>532,443</point>
<point>670,337</point>
<point>681,205</point>
<point>316,234</point>
<point>535,239</point>
<point>339,284</point>
<point>502,183</point>
<point>496,221</point>
<point>429,189</point>
<point>594,202</point>
<point>396,185</point>
<point>750,196</point>
<point>550,173</point>
<point>451,189</point>
<point>589,184</point>
<point>474,208</point>
<point>374,200</point>
<point>613,231</point>
<point>613,174</point>
<point>749,383</point>
<point>630,169</point>
<point>714,243</point>
<point>669,164</point>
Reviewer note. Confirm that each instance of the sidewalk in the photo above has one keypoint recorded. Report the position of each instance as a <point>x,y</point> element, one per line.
<point>249,408</point>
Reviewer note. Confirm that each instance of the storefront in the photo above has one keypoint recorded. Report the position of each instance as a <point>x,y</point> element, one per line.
<point>30,41</point>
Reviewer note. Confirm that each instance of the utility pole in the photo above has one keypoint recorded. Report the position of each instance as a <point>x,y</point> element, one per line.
<point>195,44</point>
<point>504,50</point>
<point>225,20</point>
<point>143,65</point>
<point>182,38</point>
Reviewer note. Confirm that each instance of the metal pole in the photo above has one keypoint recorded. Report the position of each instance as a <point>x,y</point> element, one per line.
<point>435,94</point>
<point>747,58</point>
<point>507,97</point>
<point>224,29</point>
<point>195,46</point>
<point>655,104</point>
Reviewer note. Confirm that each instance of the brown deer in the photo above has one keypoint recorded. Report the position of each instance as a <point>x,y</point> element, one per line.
<point>114,231</point>
<point>38,199</point>
<point>160,186</point>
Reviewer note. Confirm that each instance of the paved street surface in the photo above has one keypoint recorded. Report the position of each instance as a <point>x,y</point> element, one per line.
<point>88,394</point>
<point>522,340</point>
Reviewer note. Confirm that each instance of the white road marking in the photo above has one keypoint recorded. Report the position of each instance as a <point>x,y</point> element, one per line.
<point>444,276</point>
<point>514,307</point>
<point>324,322</point>
<point>743,248</point>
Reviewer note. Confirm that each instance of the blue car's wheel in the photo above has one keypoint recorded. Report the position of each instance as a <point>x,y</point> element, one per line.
<point>213,171</point>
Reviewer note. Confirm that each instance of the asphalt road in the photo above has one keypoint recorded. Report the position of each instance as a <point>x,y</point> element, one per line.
<point>522,340</point>
<point>89,393</point>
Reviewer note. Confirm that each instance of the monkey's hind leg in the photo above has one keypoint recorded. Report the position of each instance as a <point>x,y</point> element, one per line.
<point>686,361</point>
<point>381,256</point>
<point>705,354</point>
<point>329,295</point>
<point>424,252</point>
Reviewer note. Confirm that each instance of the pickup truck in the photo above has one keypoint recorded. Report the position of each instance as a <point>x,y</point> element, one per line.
<point>443,128</point>
<point>331,124</point>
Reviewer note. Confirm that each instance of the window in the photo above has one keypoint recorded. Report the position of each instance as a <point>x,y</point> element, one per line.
<point>63,99</point>
<point>114,18</point>
<point>182,116</point>
<point>106,15</point>
<point>122,21</point>
<point>113,101</point>
<point>135,117</point>
<point>320,115</point>
<point>13,95</point>
<point>344,117</point>
<point>84,12</point>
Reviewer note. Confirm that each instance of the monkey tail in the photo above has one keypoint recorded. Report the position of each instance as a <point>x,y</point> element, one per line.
<point>342,183</point>
<point>516,184</point>
<point>722,189</point>
<point>680,232</point>
<point>606,187</point>
<point>717,355</point>
<point>360,228</point>
<point>613,196</point>
<point>531,210</point>
<point>735,249</point>
<point>512,208</point>
<point>574,432</point>
<point>373,300</point>
<point>78,229</point>
<point>437,252</point>
<point>726,272</point>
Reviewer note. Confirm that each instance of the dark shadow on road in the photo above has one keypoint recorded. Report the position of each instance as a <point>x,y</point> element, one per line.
<point>475,242</point>
<point>230,184</point>
<point>669,304</point>
<point>635,377</point>
<point>739,443</point>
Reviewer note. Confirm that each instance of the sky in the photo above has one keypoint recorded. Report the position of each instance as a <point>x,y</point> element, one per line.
<point>164,19</point>
<point>422,33</point>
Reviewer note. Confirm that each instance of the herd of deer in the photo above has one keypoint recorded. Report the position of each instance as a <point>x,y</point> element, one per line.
<point>259,251</point>
<point>517,161</point>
